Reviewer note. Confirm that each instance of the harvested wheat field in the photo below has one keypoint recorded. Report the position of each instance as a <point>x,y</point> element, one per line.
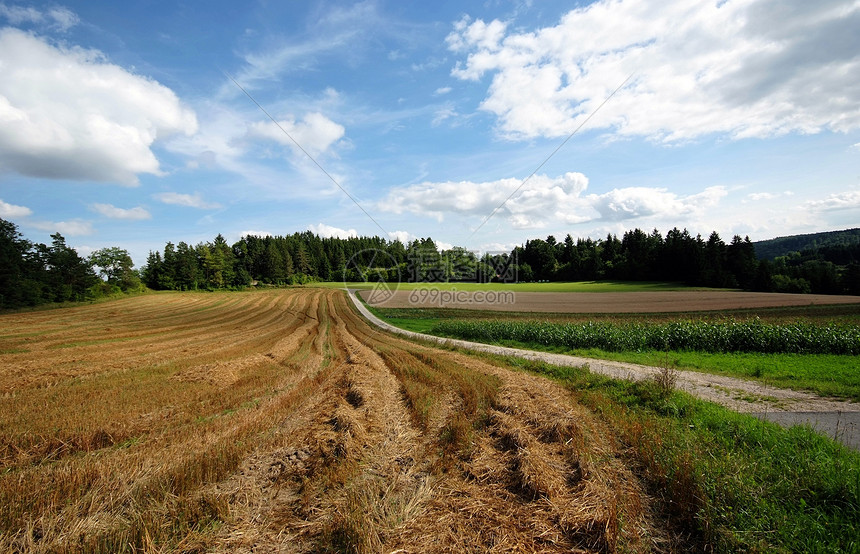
<point>279,421</point>
<point>602,302</point>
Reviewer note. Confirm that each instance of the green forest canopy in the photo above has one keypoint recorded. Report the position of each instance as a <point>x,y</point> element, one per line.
<point>784,246</point>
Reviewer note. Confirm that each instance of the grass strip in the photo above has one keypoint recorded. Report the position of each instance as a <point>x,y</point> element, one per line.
<point>733,482</point>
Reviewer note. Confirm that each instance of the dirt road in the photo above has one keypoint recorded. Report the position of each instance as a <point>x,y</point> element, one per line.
<point>832,417</point>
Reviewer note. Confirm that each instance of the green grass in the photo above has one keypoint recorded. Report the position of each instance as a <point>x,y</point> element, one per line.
<point>823,374</point>
<point>576,286</point>
<point>732,482</point>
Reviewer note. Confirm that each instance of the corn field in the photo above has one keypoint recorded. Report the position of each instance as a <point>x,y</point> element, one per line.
<point>703,336</point>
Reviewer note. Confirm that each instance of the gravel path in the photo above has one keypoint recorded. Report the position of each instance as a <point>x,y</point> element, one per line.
<point>835,418</point>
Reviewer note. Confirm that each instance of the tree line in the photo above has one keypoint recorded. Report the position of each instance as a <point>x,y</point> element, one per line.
<point>681,257</point>
<point>305,257</point>
<point>636,256</point>
<point>782,246</point>
<point>294,259</point>
<point>32,274</point>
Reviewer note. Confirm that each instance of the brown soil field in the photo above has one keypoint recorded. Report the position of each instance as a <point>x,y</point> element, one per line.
<point>615,302</point>
<point>280,421</point>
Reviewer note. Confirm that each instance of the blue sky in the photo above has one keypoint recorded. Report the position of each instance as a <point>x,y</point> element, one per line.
<point>120,123</point>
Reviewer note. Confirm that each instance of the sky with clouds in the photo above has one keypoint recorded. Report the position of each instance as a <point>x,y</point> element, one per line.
<point>480,124</point>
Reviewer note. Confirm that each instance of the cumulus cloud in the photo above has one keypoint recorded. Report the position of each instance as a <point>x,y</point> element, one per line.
<point>73,228</point>
<point>545,201</point>
<point>234,138</point>
<point>403,236</point>
<point>130,214</point>
<point>189,200</point>
<point>539,199</point>
<point>757,68</point>
<point>327,231</point>
<point>639,202</point>
<point>849,200</point>
<point>11,210</point>
<point>315,133</point>
<point>67,113</point>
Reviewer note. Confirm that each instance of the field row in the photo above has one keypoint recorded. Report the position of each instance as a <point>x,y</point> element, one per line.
<point>587,298</point>
<point>275,419</point>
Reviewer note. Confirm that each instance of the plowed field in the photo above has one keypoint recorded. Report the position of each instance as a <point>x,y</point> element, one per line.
<point>280,421</point>
<point>601,302</point>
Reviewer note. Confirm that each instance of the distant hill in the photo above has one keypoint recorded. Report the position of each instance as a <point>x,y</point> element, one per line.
<point>780,246</point>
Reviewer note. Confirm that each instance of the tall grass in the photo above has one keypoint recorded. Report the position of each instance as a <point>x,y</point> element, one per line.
<point>704,336</point>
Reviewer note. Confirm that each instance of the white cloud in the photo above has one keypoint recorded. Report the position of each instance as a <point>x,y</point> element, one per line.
<point>73,228</point>
<point>66,113</point>
<point>11,210</point>
<point>442,90</point>
<point>63,18</point>
<point>757,196</point>
<point>16,15</point>
<point>497,247</point>
<point>443,113</point>
<point>753,68</point>
<point>541,198</point>
<point>544,201</point>
<point>262,234</point>
<point>641,202</point>
<point>315,133</point>
<point>327,231</point>
<point>84,251</point>
<point>58,17</point>
<point>403,236</point>
<point>189,200</point>
<point>230,140</point>
<point>131,214</point>
<point>344,31</point>
<point>849,200</point>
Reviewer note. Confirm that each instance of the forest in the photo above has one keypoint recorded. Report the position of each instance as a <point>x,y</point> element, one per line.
<point>32,274</point>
